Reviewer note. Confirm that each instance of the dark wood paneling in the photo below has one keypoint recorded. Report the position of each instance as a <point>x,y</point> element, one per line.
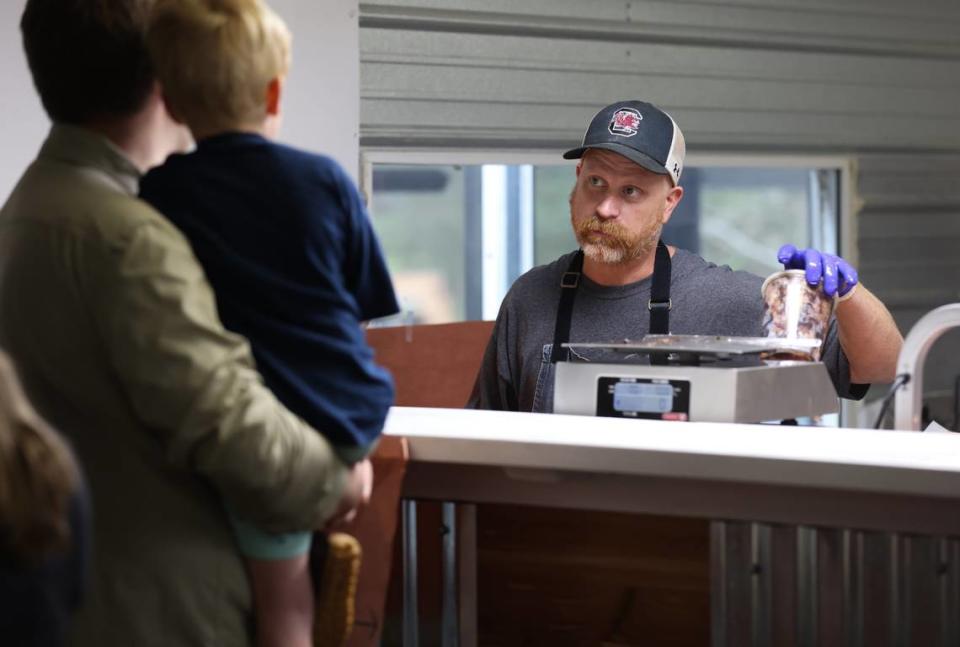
<point>923,591</point>
<point>783,563</point>
<point>432,365</point>
<point>557,577</point>
<point>830,588</point>
<point>879,588</point>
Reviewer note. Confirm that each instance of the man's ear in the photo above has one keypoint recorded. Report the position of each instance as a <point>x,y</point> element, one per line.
<point>673,199</point>
<point>274,90</point>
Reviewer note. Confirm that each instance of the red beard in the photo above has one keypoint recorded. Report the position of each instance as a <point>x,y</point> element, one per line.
<point>618,245</point>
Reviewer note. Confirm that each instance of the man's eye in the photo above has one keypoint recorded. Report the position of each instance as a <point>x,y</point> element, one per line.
<point>631,191</point>
<point>595,181</point>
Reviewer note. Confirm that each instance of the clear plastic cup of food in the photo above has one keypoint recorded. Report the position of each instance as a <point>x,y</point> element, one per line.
<point>795,311</point>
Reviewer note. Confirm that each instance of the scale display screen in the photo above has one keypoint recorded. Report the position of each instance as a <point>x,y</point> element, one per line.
<point>648,398</point>
<point>642,397</point>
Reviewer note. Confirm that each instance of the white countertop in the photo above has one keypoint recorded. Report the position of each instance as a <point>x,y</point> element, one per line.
<point>815,457</point>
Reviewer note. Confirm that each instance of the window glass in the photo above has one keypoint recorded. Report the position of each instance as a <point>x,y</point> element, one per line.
<point>552,234</point>
<point>433,223</point>
<point>747,214</point>
<point>418,213</point>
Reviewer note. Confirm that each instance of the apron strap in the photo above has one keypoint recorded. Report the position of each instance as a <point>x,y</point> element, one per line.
<point>659,304</point>
<point>568,291</point>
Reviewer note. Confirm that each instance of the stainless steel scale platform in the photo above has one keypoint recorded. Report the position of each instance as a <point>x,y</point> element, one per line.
<point>695,377</point>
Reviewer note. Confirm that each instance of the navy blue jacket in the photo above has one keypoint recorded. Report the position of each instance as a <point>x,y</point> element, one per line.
<point>287,245</point>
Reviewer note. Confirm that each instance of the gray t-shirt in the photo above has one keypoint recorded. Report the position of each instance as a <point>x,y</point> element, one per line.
<point>516,374</point>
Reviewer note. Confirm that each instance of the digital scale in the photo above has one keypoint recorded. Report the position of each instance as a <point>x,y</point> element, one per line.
<point>695,377</point>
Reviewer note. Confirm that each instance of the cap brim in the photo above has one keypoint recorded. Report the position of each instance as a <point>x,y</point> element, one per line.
<point>635,156</point>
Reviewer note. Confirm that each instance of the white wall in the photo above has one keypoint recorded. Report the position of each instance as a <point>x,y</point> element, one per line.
<point>323,91</point>
<point>23,124</point>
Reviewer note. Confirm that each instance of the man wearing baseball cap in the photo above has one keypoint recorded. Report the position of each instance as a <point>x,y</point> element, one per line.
<point>625,282</point>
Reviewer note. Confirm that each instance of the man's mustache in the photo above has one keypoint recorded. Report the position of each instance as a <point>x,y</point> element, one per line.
<point>608,227</point>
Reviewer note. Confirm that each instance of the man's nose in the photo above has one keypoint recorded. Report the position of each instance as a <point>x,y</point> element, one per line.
<point>609,207</point>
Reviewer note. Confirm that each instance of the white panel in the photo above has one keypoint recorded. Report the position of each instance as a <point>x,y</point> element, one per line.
<point>526,216</point>
<point>322,101</point>
<point>494,228</point>
<point>24,124</point>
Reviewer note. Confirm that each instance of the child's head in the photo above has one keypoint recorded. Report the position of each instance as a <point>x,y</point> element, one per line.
<point>220,62</point>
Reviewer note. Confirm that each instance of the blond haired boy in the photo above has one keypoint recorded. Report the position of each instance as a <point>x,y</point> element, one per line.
<point>287,246</point>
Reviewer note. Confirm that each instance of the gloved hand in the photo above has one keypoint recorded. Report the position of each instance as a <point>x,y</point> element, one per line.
<point>839,277</point>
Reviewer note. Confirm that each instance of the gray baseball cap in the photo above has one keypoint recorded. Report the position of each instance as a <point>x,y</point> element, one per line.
<point>639,131</point>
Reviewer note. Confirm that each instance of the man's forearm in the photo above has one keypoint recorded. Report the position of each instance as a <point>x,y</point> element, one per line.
<point>869,337</point>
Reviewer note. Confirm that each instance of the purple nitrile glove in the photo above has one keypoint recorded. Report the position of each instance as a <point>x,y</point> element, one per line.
<point>839,276</point>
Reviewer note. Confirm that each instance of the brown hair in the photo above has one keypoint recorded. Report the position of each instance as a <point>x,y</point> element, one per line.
<point>38,476</point>
<point>215,59</point>
<point>88,57</point>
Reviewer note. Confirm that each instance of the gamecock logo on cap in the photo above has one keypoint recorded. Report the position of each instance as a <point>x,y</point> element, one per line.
<point>625,122</point>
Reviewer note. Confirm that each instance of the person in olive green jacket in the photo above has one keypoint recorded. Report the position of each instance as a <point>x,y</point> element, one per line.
<point>112,324</point>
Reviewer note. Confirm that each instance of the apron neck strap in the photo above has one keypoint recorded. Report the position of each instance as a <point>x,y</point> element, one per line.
<point>659,304</point>
<point>568,292</point>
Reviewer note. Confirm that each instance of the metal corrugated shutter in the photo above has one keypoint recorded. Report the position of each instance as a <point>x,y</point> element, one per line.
<point>856,75</point>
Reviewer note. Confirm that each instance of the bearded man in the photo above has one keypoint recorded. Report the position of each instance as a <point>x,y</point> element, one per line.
<point>624,282</point>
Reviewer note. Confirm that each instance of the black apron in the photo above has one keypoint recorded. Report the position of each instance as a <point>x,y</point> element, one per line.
<point>659,303</point>
<point>659,306</point>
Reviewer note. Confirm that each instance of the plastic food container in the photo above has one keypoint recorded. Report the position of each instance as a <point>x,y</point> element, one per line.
<point>794,310</point>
